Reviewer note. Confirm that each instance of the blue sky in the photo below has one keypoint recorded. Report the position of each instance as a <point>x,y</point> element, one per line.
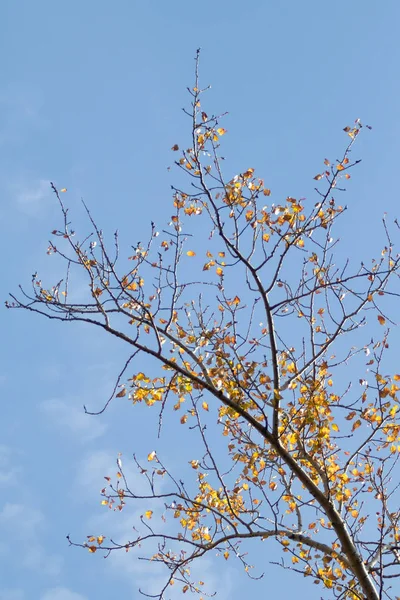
<point>90,98</point>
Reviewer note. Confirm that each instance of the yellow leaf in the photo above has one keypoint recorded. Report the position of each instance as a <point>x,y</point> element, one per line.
<point>100,539</point>
<point>221,131</point>
<point>63,190</point>
<point>335,427</point>
<point>205,406</point>
<point>396,377</point>
<point>273,485</point>
<point>104,502</point>
<point>354,513</point>
<point>340,167</point>
<point>191,253</point>
<point>219,271</point>
<point>148,514</point>
<point>151,456</point>
<point>381,320</point>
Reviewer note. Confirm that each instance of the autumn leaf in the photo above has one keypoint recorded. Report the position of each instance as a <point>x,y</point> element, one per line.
<point>381,320</point>
<point>151,456</point>
<point>175,147</point>
<point>221,131</point>
<point>318,177</point>
<point>148,514</point>
<point>121,394</point>
<point>191,253</point>
<point>205,406</point>
<point>63,190</point>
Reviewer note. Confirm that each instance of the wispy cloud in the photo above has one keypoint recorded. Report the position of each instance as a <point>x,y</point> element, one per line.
<point>62,593</point>
<point>72,419</point>
<point>148,576</point>
<point>101,463</point>
<point>22,525</point>
<point>8,470</point>
<point>21,111</point>
<point>31,197</point>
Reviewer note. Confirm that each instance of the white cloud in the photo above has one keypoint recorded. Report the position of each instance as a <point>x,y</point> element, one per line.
<point>21,525</point>
<point>32,197</point>
<point>8,470</point>
<point>148,576</point>
<point>21,107</point>
<point>66,416</point>
<point>61,593</point>
<point>36,559</point>
<point>24,520</point>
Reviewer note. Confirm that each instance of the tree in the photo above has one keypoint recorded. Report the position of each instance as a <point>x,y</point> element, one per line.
<point>257,353</point>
